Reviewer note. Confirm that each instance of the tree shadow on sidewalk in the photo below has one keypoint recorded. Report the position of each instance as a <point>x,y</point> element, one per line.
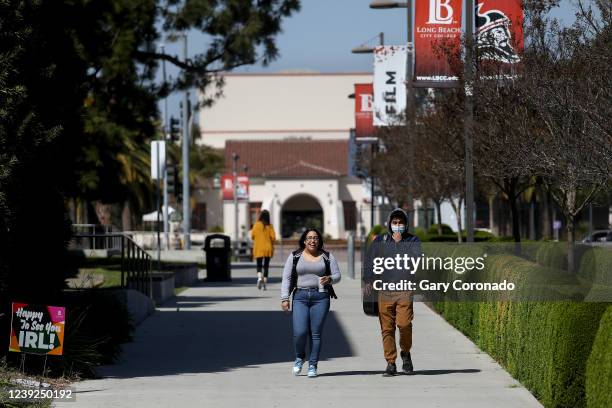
<point>239,281</point>
<point>416,372</point>
<point>184,342</point>
<point>184,302</point>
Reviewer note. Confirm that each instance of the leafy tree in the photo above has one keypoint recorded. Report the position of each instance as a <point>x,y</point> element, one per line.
<point>78,107</point>
<point>41,77</point>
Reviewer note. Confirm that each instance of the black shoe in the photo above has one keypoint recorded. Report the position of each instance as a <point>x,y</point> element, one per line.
<point>390,371</point>
<point>407,363</point>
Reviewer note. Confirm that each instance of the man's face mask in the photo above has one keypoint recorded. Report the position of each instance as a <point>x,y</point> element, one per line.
<point>398,228</point>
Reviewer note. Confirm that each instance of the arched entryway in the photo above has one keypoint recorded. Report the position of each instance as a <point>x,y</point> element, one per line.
<point>299,212</point>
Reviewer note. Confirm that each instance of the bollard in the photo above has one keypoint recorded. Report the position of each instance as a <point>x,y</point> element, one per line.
<point>351,254</point>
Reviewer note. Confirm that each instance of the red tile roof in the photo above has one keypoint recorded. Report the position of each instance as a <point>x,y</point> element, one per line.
<point>290,158</point>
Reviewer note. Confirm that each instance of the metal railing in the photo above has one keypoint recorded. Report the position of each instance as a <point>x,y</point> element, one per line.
<point>99,237</point>
<point>135,262</point>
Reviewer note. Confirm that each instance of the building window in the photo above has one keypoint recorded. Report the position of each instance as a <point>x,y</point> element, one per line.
<point>254,210</point>
<point>350,215</point>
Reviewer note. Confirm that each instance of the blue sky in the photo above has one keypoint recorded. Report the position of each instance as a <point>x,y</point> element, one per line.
<point>320,38</point>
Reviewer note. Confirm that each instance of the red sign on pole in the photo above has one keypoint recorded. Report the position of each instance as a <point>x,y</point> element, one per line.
<point>437,38</point>
<point>227,187</point>
<point>364,117</point>
<point>499,28</point>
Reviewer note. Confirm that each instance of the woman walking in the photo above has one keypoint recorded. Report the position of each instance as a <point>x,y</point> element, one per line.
<point>308,275</point>
<point>263,247</point>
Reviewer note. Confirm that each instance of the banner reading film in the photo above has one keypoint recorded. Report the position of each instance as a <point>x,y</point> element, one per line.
<point>499,30</point>
<point>37,329</point>
<point>437,37</point>
<point>389,84</point>
<point>364,118</point>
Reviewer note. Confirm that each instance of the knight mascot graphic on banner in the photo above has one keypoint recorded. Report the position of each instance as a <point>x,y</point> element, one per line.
<point>494,36</point>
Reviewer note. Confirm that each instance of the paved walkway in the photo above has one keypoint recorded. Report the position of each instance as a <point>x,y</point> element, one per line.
<point>229,345</point>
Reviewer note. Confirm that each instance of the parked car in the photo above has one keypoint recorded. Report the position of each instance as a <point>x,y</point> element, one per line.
<point>601,237</point>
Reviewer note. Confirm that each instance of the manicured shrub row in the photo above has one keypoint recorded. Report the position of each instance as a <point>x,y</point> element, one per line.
<point>545,345</point>
<point>591,262</point>
<point>553,254</point>
<point>599,366</point>
<point>596,266</point>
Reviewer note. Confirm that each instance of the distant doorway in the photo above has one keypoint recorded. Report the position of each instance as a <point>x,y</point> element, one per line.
<point>298,213</point>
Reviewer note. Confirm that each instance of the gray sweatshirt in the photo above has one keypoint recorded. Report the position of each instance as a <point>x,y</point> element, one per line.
<point>308,273</point>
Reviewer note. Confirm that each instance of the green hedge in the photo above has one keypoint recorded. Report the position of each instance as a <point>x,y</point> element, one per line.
<point>553,254</point>
<point>596,266</point>
<point>545,345</point>
<point>599,366</point>
<point>446,229</point>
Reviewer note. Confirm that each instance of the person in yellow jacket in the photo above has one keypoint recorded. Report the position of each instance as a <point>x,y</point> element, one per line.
<point>263,247</point>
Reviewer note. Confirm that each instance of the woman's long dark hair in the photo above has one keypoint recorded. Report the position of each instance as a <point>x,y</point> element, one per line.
<point>303,238</point>
<point>264,216</point>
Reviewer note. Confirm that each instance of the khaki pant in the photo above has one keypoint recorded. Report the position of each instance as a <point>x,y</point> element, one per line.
<point>395,309</point>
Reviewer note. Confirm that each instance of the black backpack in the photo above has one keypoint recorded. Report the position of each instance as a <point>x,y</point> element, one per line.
<point>294,277</point>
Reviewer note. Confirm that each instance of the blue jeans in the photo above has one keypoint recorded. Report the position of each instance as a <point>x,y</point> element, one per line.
<point>310,309</point>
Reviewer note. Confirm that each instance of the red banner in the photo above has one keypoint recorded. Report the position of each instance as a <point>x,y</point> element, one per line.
<point>437,38</point>
<point>227,187</point>
<point>364,117</point>
<point>499,28</point>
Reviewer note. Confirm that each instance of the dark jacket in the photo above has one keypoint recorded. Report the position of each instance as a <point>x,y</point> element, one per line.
<point>406,236</point>
<point>385,246</point>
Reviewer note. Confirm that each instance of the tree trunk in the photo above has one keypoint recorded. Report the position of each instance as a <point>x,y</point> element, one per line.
<point>546,216</point>
<point>532,232</point>
<point>457,209</point>
<point>438,205</point>
<point>571,231</point>
<point>570,228</point>
<point>426,214</point>
<point>103,212</point>
<point>511,191</point>
<point>126,216</point>
<point>494,230</point>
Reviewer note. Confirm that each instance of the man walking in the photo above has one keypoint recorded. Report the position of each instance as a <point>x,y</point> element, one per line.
<point>395,308</point>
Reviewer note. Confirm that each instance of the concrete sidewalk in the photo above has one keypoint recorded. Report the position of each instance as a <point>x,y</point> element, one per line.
<point>229,345</point>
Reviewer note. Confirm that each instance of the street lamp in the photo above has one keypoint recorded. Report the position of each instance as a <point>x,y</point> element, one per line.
<point>384,4</point>
<point>365,49</point>
<point>469,165</point>
<point>235,158</point>
<point>411,106</point>
<point>373,141</point>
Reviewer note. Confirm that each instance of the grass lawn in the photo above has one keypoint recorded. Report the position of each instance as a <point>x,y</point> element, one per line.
<point>6,375</point>
<point>111,278</point>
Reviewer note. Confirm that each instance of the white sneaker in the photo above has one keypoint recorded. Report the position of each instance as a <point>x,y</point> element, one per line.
<point>312,371</point>
<point>259,283</point>
<point>297,366</point>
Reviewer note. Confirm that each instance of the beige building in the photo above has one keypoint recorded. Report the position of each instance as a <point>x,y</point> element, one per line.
<point>292,131</point>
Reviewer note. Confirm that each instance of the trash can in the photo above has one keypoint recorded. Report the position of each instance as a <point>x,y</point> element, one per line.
<point>218,258</point>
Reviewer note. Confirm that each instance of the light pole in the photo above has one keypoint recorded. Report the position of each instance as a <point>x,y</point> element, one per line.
<point>167,138</point>
<point>235,158</point>
<point>186,203</point>
<point>245,171</point>
<point>410,97</point>
<point>467,125</point>
<point>411,108</point>
<point>363,49</point>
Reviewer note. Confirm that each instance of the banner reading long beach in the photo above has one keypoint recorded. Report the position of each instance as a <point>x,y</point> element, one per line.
<point>437,27</point>
<point>389,84</point>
